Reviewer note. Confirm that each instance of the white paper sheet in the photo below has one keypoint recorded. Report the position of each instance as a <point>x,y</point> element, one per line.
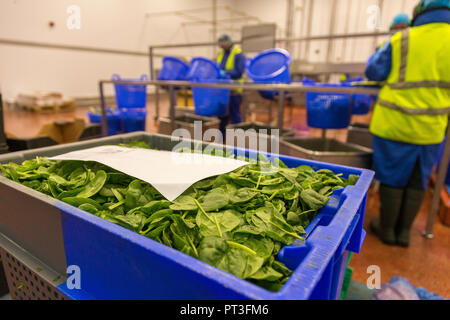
<point>171,173</point>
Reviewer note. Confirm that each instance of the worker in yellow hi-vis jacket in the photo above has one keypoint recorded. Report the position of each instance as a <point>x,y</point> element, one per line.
<point>410,116</point>
<point>232,64</point>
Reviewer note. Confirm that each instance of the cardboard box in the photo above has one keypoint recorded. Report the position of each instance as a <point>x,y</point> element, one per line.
<point>45,102</point>
<point>54,133</point>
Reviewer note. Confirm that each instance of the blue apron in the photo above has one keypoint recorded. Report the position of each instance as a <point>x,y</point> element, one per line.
<point>394,161</point>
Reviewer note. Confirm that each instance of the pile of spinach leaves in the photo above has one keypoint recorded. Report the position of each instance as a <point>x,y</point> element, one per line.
<point>236,222</point>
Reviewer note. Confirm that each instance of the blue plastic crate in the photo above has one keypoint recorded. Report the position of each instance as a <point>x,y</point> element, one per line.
<point>327,110</point>
<point>133,119</point>
<point>128,95</point>
<point>117,263</point>
<point>270,66</point>
<point>173,69</point>
<point>113,120</point>
<point>361,103</point>
<point>211,102</point>
<point>202,69</point>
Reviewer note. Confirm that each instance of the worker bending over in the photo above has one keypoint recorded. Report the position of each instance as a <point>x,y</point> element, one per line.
<point>232,64</point>
<point>410,116</point>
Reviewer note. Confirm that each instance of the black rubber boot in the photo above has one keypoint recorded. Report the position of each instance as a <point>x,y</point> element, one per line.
<point>390,206</point>
<point>411,206</point>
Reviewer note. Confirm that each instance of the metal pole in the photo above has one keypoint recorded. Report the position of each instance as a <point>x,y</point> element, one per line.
<point>358,10</point>
<point>301,31</point>
<point>186,98</point>
<point>102,104</point>
<point>440,181</point>
<point>172,107</point>
<point>347,27</point>
<point>3,145</point>
<point>375,38</point>
<point>281,40</point>
<point>281,110</point>
<point>291,111</point>
<point>244,105</point>
<point>294,87</point>
<point>309,27</point>
<point>214,25</point>
<point>289,23</point>
<point>270,112</point>
<point>55,46</point>
<point>157,102</point>
<point>331,29</point>
<point>150,55</point>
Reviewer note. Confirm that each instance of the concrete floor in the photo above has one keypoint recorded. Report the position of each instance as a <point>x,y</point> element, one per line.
<point>426,263</point>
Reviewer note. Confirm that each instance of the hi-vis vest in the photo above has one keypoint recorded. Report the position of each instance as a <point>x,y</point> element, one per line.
<point>414,104</point>
<point>229,65</point>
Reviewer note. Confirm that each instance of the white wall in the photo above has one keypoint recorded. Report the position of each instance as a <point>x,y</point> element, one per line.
<point>111,24</point>
<point>351,16</point>
<point>121,24</point>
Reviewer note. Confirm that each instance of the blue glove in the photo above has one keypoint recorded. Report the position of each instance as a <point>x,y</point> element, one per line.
<point>427,295</point>
<point>223,74</point>
<point>397,289</point>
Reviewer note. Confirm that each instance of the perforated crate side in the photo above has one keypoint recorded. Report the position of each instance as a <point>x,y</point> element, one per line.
<point>25,283</point>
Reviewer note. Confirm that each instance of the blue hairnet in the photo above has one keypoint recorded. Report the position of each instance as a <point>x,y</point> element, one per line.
<point>430,4</point>
<point>400,18</point>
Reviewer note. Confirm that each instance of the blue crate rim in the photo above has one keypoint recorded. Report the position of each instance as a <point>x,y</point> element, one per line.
<point>209,61</point>
<point>184,65</point>
<point>117,77</point>
<point>274,74</point>
<point>170,58</point>
<point>290,289</point>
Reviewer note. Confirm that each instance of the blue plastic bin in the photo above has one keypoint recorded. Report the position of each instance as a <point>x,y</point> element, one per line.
<point>211,102</point>
<point>361,102</point>
<point>117,263</point>
<point>270,66</point>
<point>130,96</point>
<point>173,69</point>
<point>203,69</point>
<point>134,119</point>
<point>328,110</point>
<point>113,119</point>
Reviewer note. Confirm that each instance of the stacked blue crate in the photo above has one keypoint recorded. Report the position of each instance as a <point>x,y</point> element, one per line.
<point>208,102</point>
<point>131,101</point>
